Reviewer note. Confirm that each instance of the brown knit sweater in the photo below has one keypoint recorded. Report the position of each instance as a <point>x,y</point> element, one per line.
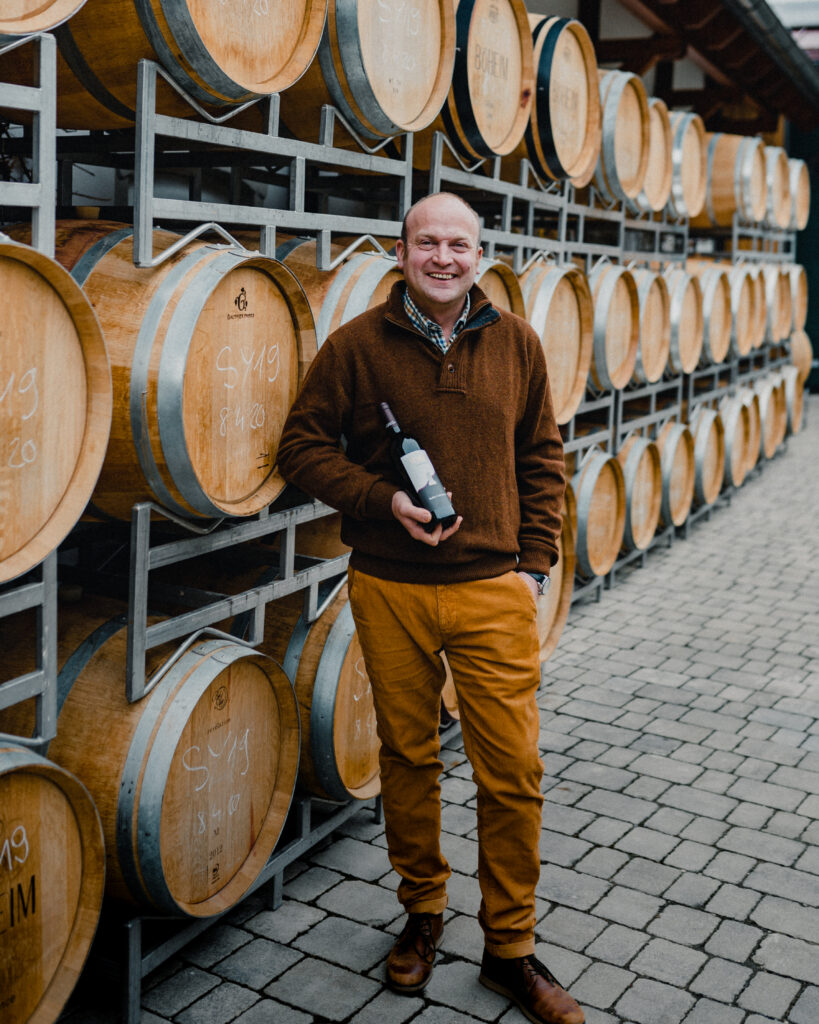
<point>483,412</point>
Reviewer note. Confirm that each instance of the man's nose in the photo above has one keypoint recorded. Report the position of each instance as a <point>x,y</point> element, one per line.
<point>442,252</point>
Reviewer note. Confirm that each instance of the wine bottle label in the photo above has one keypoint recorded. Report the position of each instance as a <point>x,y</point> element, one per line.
<point>420,470</point>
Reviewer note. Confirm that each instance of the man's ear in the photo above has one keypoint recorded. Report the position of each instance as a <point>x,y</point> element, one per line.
<point>399,253</point>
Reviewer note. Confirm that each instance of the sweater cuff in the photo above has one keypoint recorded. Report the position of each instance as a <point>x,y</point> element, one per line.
<point>379,501</point>
<point>540,559</point>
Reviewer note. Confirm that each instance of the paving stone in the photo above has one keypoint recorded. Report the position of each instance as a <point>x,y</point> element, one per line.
<point>668,961</point>
<point>689,856</point>
<point>780,798</point>
<point>693,889</point>
<point>747,815</point>
<point>601,985</point>
<point>570,888</point>
<point>769,994</point>
<point>216,943</point>
<point>311,884</point>
<point>602,863</point>
<point>785,955</point>
<point>646,788</point>
<point>323,989</point>
<point>628,906</point>
<point>462,937</point>
<point>806,1008</point>
<point>598,776</point>
<point>219,1006</point>
<point>666,819</point>
<point>707,1011</point>
<point>258,963</point>
<point>649,1002</point>
<point>785,882</point>
<point>646,842</point>
<point>721,979</point>
<point>556,848</point>
<point>764,846</point>
<point>387,1008</point>
<point>175,993</point>
<point>734,941</point>
<point>809,861</point>
<point>285,923</point>
<point>266,1011</point>
<point>785,916</point>
<point>456,985</point>
<point>684,925</point>
<point>667,768</point>
<point>699,802</point>
<point>791,826</point>
<point>565,963</point>
<point>352,857</point>
<point>617,945</point>
<point>569,928</point>
<point>370,904</point>
<point>604,831</point>
<point>346,943</point>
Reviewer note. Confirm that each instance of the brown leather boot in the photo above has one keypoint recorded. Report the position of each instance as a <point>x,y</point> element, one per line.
<point>532,986</point>
<point>411,959</point>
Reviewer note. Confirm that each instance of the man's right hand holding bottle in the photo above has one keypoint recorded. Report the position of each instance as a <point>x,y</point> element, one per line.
<point>412,517</point>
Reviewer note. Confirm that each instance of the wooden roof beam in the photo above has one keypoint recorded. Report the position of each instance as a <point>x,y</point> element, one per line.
<point>641,54</point>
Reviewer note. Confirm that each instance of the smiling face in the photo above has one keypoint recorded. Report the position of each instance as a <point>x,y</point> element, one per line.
<point>440,256</point>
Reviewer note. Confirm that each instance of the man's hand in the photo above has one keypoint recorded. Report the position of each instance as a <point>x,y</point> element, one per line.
<point>530,582</point>
<point>411,517</point>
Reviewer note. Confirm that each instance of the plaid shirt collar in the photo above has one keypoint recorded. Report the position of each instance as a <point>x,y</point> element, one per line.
<point>429,328</point>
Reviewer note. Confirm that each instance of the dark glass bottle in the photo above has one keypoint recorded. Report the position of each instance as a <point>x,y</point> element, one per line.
<point>419,475</point>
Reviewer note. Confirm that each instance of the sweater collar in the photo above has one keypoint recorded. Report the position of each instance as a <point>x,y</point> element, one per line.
<point>481,310</point>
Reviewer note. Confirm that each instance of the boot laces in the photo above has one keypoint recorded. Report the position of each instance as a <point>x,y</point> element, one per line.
<point>533,968</point>
<point>425,933</point>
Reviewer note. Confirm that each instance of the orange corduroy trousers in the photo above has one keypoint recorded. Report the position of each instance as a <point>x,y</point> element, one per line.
<point>488,630</point>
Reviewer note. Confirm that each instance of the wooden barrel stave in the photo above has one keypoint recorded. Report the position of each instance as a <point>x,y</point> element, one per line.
<point>709,454</point>
<point>32,16</point>
<point>221,55</point>
<point>559,306</point>
<point>655,326</point>
<point>600,496</point>
<point>677,460</point>
<point>621,166</point>
<point>56,410</point>
<point>656,188</point>
<point>799,186</point>
<point>686,318</point>
<point>52,859</point>
<point>176,334</point>
<point>736,423</point>
<point>185,832</point>
<point>801,354</point>
<point>736,181</point>
<point>777,174</point>
<point>689,165</point>
<point>616,326</point>
<point>640,460</point>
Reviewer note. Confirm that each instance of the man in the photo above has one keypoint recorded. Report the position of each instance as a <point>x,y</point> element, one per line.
<point>469,383</point>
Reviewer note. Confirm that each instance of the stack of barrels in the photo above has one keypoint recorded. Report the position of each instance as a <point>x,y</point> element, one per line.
<point>171,384</point>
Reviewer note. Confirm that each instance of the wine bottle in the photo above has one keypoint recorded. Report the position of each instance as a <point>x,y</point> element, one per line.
<point>419,475</point>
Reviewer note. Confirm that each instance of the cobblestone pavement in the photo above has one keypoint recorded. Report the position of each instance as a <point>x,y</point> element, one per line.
<point>680,843</point>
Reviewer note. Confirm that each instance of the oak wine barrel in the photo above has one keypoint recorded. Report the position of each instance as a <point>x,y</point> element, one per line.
<point>801,354</point>
<point>689,164</point>
<point>735,180</point>
<point>500,283</point>
<point>616,334</point>
<point>742,310</point>
<point>773,414</point>
<point>655,326</point>
<point>623,161</point>
<point>706,428</point>
<point>487,108</point>
<point>677,461</point>
<point>553,607</point>
<point>220,54</point>
<point>562,136</point>
<point>559,306</point>
<point>736,423</point>
<point>600,495</point>
<point>798,279</point>
<point>794,398</point>
<point>386,65</point>
<point>716,309</point>
<point>777,175</point>
<point>56,403</point>
<point>323,658</point>
<point>759,318</point>
<point>361,281</point>
<point>778,302</point>
<point>52,870</point>
<point>656,189</point>
<point>686,315</point>
<point>208,351</point>
<point>750,400</point>
<point>640,460</point>
<point>26,17</point>
<point>799,185</point>
<point>192,782</point>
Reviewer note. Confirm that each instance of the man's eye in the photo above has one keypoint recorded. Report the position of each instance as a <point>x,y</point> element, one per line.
<point>426,244</point>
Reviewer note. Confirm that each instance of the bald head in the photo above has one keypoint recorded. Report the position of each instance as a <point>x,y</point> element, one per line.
<point>437,197</point>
